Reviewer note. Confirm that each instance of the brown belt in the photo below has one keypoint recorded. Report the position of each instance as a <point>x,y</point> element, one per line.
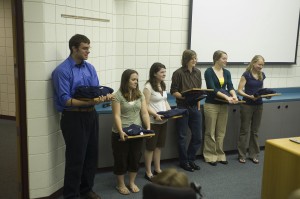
<point>81,109</point>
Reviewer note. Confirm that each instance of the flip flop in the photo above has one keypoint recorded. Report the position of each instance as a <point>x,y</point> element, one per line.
<point>123,190</point>
<point>242,160</point>
<point>255,161</point>
<point>134,189</point>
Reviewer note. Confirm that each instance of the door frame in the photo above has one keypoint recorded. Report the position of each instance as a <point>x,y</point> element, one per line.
<point>20,82</point>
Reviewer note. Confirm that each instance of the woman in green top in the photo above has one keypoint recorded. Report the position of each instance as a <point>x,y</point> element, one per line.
<point>129,107</point>
<point>216,112</point>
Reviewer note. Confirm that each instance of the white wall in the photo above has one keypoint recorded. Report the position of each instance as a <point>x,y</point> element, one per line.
<point>7,84</point>
<point>46,45</point>
<point>139,33</point>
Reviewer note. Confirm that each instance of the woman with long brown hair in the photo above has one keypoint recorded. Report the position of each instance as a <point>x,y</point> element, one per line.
<point>156,99</point>
<point>129,107</point>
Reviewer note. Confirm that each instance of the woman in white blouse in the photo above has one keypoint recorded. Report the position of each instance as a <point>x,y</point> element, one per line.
<point>156,99</point>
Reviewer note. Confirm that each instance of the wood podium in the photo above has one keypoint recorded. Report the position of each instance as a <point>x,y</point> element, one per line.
<point>281,172</point>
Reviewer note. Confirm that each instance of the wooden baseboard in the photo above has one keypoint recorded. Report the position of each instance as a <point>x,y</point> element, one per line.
<point>7,117</point>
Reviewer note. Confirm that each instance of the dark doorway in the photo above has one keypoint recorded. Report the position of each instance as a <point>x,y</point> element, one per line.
<point>9,183</point>
<point>13,128</point>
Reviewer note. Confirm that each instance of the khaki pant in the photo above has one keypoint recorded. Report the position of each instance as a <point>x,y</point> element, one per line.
<point>215,128</point>
<point>250,122</point>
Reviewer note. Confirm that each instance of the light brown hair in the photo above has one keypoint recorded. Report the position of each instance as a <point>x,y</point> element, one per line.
<point>171,177</point>
<point>187,56</point>
<point>217,55</point>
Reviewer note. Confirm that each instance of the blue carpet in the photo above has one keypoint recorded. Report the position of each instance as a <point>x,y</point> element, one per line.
<point>232,181</point>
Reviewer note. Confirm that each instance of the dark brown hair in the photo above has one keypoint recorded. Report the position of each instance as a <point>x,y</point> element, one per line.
<point>152,79</point>
<point>124,88</point>
<point>76,40</point>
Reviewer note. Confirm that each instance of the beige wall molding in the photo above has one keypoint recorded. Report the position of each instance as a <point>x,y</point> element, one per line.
<point>84,18</point>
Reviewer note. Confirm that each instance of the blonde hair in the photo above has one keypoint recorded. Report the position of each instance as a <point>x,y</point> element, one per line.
<point>171,177</point>
<point>255,59</point>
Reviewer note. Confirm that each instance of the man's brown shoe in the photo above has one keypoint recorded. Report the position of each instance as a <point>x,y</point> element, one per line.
<point>90,195</point>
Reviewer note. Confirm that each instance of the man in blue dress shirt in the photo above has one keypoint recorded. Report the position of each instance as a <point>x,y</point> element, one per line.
<point>79,120</point>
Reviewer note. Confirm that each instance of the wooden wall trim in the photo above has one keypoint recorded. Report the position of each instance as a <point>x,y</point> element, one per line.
<point>21,120</point>
<point>7,117</point>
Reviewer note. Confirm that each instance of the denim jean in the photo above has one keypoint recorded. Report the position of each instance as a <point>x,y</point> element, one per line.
<point>193,120</point>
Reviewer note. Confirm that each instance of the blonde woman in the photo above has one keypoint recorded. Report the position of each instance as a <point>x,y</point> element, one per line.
<point>251,112</point>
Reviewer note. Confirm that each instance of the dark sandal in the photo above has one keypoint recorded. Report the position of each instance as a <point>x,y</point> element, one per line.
<point>155,173</point>
<point>149,178</point>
